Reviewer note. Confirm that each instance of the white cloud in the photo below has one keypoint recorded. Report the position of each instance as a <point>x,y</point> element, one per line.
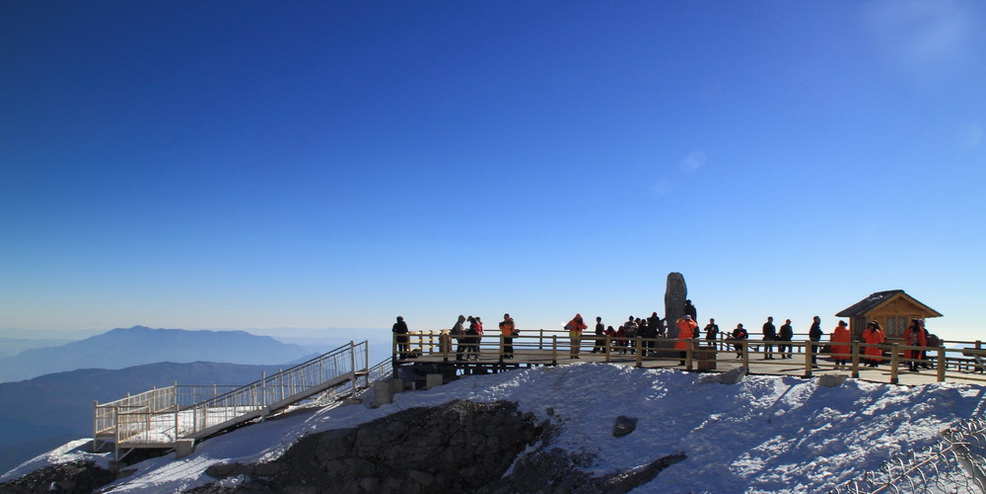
<point>972,135</point>
<point>918,34</point>
<point>692,162</point>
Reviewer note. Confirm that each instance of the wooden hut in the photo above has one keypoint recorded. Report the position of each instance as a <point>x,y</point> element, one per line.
<point>893,309</point>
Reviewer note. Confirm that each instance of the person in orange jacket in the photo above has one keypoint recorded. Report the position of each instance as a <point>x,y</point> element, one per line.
<point>914,335</point>
<point>841,338</point>
<point>873,335</point>
<point>687,330</point>
<point>507,332</point>
<point>575,327</point>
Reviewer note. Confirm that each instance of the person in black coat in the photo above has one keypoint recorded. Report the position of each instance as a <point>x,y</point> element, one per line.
<point>600,346</point>
<point>711,332</point>
<point>787,334</point>
<point>740,333</point>
<point>654,321</point>
<point>400,331</point>
<point>815,334</point>
<point>769,336</point>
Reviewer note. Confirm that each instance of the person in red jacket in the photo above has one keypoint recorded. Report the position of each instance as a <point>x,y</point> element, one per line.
<point>841,338</point>
<point>575,327</point>
<point>687,330</point>
<point>873,335</point>
<point>914,335</point>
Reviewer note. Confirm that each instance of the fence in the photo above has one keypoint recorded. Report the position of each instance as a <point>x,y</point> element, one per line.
<point>956,464</point>
<point>957,361</point>
<point>163,416</point>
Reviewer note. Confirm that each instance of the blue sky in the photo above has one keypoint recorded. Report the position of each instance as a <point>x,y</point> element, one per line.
<point>334,164</point>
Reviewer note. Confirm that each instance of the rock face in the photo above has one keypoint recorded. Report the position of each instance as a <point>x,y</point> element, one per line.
<point>457,447</point>
<point>81,478</point>
<point>674,301</point>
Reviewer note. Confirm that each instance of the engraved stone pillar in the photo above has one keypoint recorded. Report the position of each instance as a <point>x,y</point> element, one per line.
<point>674,302</point>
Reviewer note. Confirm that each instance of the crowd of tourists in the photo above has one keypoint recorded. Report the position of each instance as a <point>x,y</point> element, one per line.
<point>468,332</point>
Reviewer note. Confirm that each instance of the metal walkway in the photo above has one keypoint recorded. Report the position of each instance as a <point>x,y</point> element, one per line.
<point>175,417</point>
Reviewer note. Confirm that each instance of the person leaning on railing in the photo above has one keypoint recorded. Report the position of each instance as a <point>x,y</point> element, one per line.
<point>740,333</point>
<point>400,330</point>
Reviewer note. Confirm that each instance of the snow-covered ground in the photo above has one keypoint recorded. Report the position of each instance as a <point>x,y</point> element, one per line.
<point>765,434</point>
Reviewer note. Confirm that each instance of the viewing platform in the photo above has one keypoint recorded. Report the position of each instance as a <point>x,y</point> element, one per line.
<point>957,361</point>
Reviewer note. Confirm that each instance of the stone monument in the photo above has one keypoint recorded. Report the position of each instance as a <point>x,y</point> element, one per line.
<point>674,302</point>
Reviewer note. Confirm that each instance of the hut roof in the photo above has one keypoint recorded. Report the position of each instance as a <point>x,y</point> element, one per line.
<point>877,299</point>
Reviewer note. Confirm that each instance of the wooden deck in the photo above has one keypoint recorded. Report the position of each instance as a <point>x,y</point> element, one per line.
<point>438,349</point>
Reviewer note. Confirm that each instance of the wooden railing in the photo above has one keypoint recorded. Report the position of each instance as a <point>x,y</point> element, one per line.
<point>959,360</point>
<point>163,416</point>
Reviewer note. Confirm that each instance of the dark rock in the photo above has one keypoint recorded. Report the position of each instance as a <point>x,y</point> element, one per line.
<point>81,478</point>
<point>623,426</point>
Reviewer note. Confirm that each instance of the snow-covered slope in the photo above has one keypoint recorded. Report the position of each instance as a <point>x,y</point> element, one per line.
<point>765,434</point>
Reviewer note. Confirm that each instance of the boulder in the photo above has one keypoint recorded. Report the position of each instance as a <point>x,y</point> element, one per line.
<point>624,425</point>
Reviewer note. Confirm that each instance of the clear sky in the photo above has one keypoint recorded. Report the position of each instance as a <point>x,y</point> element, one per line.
<point>248,164</point>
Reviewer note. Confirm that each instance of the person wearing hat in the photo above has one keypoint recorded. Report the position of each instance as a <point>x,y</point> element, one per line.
<point>575,327</point>
<point>687,330</point>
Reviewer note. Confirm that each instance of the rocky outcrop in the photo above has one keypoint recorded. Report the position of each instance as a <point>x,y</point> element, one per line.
<point>485,448</point>
<point>80,478</point>
<point>458,447</point>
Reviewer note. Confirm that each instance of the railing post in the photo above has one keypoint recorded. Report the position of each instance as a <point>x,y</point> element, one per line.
<point>263,389</point>
<point>95,423</point>
<point>941,364</point>
<point>352,360</point>
<point>688,353</point>
<point>541,338</point>
<point>746,354</point>
<point>554,349</point>
<point>609,346</point>
<point>809,351</point>
<point>894,361</point>
<point>855,360</point>
<point>639,361</point>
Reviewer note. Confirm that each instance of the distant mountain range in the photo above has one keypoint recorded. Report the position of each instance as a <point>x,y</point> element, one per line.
<point>41,413</point>
<point>12,346</point>
<point>121,348</point>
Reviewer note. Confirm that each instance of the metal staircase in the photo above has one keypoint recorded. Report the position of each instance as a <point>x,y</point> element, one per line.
<point>175,417</point>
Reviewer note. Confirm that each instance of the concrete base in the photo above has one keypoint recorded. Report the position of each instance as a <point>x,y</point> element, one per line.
<point>397,385</point>
<point>705,357</point>
<point>382,393</point>
<point>184,447</point>
<point>432,380</point>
